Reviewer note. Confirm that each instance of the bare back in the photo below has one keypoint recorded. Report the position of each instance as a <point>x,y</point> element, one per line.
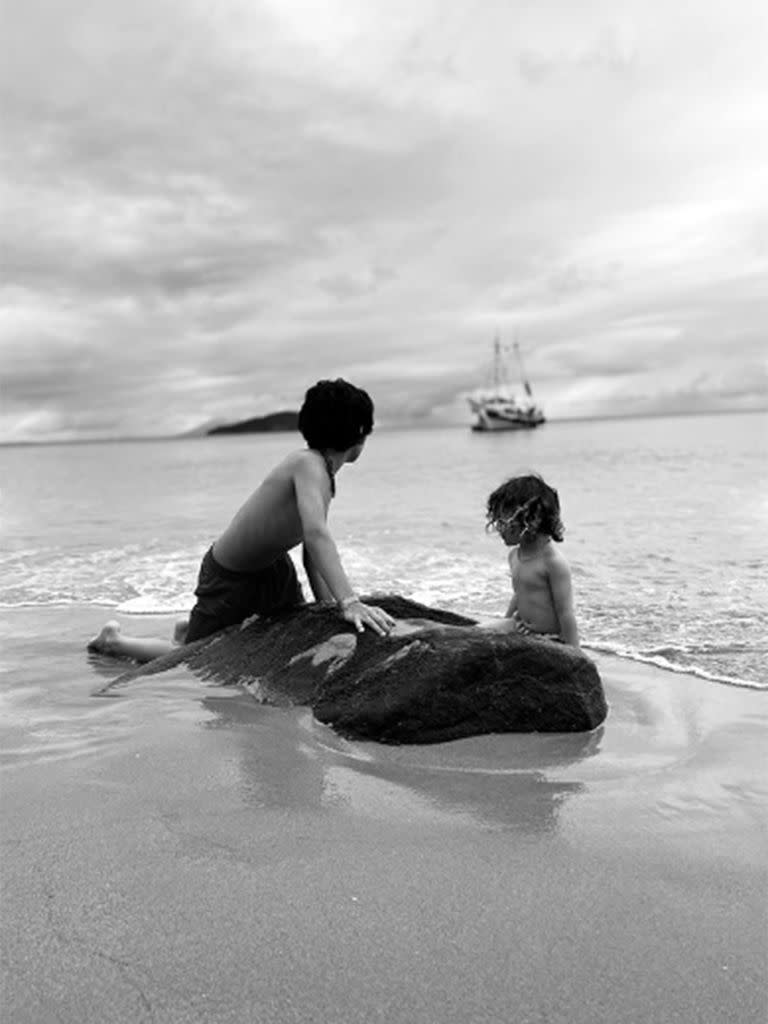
<point>268,524</point>
<point>531,583</point>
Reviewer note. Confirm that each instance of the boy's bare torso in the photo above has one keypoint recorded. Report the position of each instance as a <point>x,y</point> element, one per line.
<point>268,524</point>
<point>530,581</point>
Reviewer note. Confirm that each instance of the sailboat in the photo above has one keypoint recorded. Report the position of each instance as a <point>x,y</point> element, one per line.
<point>498,409</point>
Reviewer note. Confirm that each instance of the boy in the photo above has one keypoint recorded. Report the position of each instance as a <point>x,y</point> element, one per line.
<point>248,570</point>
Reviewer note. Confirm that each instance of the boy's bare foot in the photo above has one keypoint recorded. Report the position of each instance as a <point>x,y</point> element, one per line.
<point>107,640</point>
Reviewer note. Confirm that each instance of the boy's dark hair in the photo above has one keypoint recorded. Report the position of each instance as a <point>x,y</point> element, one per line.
<point>528,502</point>
<point>335,415</point>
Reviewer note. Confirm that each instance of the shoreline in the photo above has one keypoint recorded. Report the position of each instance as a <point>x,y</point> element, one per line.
<point>160,624</point>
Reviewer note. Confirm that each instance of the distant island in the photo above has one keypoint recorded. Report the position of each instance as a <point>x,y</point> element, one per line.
<point>273,423</point>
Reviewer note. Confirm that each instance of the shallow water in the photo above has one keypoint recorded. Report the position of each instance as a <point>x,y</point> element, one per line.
<point>667,526</point>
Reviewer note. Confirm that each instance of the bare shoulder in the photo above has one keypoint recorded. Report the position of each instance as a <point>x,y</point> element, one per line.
<point>303,463</point>
<point>307,471</point>
<point>283,476</point>
<point>556,562</point>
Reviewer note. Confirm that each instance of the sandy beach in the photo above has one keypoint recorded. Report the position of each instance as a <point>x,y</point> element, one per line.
<point>181,854</point>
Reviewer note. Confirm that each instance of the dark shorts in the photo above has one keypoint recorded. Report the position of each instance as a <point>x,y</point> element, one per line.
<point>225,598</point>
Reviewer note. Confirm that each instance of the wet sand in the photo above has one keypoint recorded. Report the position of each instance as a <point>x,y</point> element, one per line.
<point>180,854</point>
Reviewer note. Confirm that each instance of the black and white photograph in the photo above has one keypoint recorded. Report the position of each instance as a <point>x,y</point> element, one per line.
<point>383,512</point>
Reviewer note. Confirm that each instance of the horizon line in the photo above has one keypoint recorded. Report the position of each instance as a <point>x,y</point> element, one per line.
<point>409,425</point>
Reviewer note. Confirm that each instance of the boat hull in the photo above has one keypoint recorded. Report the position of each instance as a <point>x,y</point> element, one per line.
<point>490,420</point>
<point>495,427</point>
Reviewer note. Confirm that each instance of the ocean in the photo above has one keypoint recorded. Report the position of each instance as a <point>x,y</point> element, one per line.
<point>666,528</point>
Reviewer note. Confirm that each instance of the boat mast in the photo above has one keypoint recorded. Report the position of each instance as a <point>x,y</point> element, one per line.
<point>496,364</point>
<point>524,379</point>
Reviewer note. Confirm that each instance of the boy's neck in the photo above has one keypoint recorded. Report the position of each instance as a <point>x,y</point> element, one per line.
<point>333,459</point>
<point>528,549</point>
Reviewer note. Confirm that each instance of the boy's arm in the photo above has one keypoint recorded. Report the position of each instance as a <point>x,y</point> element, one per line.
<point>316,581</point>
<point>322,552</point>
<point>562,598</point>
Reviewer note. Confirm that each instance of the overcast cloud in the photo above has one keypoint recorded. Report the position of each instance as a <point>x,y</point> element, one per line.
<point>208,206</point>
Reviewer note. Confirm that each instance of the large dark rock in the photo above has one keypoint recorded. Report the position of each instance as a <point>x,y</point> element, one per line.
<point>437,677</point>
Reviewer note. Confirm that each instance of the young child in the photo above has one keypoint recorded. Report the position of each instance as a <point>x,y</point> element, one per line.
<point>248,569</point>
<point>526,513</point>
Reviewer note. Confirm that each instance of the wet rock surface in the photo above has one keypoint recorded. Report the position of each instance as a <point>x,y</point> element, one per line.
<point>438,676</point>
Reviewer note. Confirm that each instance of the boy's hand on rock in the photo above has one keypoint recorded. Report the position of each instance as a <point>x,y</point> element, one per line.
<point>362,615</point>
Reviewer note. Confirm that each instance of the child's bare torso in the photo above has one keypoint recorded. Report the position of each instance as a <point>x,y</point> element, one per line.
<point>268,524</point>
<point>530,581</point>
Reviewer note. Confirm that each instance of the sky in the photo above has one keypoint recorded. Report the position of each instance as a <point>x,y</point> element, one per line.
<point>205,207</point>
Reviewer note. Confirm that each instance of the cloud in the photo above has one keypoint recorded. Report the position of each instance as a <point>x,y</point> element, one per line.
<point>205,208</point>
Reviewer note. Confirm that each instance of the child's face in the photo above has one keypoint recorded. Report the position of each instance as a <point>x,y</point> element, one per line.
<point>510,531</point>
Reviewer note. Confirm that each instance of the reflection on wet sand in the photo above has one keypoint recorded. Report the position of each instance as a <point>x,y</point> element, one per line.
<point>287,760</point>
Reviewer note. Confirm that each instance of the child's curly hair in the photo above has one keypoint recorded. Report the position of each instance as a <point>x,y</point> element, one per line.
<point>528,502</point>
